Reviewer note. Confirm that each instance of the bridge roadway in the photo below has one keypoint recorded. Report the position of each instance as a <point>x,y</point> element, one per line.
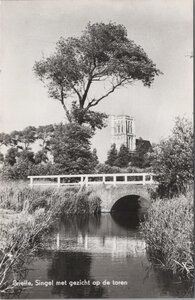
<point>110,188</point>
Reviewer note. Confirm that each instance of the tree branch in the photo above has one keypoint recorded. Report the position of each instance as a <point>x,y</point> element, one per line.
<point>78,94</point>
<point>94,102</point>
<point>86,92</point>
<point>64,106</point>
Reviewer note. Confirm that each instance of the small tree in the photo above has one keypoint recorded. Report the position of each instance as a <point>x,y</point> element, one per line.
<point>41,157</point>
<point>112,155</point>
<point>123,158</point>
<point>28,137</point>
<point>70,147</point>
<point>11,155</point>
<point>44,134</point>
<point>95,157</point>
<point>4,139</point>
<point>140,158</point>
<point>26,155</point>
<point>173,160</point>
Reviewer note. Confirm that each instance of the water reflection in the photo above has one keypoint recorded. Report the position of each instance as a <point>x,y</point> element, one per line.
<point>73,267</point>
<point>98,248</point>
<point>98,234</point>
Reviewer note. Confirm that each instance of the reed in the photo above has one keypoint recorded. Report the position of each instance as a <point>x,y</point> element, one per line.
<point>20,235</point>
<point>168,232</point>
<point>18,196</point>
<point>25,215</point>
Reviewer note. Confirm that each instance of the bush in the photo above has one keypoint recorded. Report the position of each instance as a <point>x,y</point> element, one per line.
<point>131,169</point>
<point>106,169</point>
<point>173,160</point>
<point>22,169</point>
<point>45,169</point>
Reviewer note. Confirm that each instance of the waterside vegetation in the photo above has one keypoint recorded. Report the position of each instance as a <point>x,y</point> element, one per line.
<point>169,234</point>
<point>169,227</point>
<point>26,214</point>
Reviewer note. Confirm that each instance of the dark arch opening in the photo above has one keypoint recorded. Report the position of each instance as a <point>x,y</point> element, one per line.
<point>129,210</point>
<point>130,203</point>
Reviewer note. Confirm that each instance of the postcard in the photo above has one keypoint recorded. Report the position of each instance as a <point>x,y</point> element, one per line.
<point>96,149</point>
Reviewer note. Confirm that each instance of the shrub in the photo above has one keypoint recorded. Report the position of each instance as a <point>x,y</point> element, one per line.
<point>105,169</point>
<point>173,160</point>
<point>20,170</point>
<point>45,169</point>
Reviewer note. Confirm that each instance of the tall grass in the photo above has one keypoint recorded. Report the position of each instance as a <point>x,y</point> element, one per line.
<point>25,214</point>
<point>18,196</point>
<point>169,234</point>
<point>20,236</point>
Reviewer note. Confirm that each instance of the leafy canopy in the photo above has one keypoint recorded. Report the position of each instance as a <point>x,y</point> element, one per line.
<point>87,69</point>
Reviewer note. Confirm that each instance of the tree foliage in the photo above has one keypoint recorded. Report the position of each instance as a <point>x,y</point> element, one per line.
<point>4,139</point>
<point>123,157</point>
<point>173,160</point>
<point>27,137</point>
<point>112,155</point>
<point>95,157</point>
<point>11,155</point>
<point>41,157</point>
<point>141,157</point>
<point>119,158</point>
<point>44,134</point>
<point>67,145</point>
<point>70,147</point>
<point>102,54</point>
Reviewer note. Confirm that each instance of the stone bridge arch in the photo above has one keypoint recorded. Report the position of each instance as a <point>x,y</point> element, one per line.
<point>110,194</point>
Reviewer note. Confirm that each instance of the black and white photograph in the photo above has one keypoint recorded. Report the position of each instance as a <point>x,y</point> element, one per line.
<point>96,149</point>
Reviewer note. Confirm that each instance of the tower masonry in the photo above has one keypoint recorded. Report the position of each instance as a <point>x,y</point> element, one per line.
<point>123,131</point>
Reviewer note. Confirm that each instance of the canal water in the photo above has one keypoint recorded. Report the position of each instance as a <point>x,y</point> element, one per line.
<point>98,257</point>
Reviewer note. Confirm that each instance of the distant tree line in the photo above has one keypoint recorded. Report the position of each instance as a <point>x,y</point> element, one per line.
<point>66,149</point>
<point>124,158</point>
<point>62,149</point>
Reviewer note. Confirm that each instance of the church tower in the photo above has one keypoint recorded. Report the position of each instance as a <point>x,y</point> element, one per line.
<point>123,131</point>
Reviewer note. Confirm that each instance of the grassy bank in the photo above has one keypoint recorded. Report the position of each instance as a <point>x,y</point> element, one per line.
<point>18,196</point>
<point>169,234</point>
<point>25,214</point>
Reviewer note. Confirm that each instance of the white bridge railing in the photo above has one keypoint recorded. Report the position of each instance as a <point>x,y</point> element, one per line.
<point>91,179</point>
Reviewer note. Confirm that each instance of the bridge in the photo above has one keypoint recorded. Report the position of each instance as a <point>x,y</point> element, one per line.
<point>110,188</point>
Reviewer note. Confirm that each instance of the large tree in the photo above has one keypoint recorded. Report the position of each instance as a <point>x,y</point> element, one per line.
<point>102,58</point>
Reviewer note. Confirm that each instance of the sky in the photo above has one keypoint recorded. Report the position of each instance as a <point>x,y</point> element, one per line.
<point>163,28</point>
